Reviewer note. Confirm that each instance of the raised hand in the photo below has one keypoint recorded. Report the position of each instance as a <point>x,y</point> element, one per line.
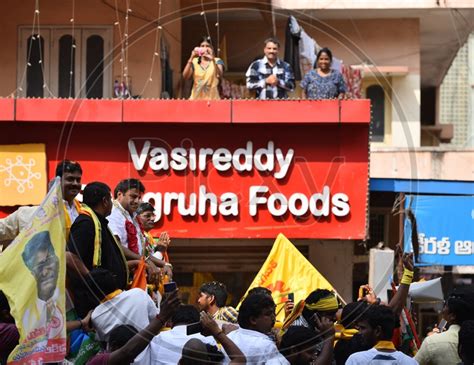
<point>324,324</point>
<point>169,305</point>
<point>407,259</point>
<point>209,325</point>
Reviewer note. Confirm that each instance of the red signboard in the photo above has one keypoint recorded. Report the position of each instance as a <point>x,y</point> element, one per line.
<point>228,180</point>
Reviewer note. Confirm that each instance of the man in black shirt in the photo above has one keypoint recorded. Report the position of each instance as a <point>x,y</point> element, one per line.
<point>91,244</point>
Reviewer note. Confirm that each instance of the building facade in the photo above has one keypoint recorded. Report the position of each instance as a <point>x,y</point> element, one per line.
<point>107,50</point>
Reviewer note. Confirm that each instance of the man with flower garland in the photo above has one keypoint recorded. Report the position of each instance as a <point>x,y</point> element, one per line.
<point>124,224</point>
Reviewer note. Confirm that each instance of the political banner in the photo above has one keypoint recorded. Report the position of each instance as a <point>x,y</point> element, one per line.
<point>32,277</point>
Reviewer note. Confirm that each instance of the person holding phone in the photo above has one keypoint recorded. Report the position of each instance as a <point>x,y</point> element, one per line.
<point>206,71</point>
<point>289,304</point>
<point>319,314</point>
<point>442,348</point>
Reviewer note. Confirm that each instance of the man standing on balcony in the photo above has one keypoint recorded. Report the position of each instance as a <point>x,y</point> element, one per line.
<point>270,77</point>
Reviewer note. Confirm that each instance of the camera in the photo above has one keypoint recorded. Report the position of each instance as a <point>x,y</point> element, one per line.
<point>200,51</point>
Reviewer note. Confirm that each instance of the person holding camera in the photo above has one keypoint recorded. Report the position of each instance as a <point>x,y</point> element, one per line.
<point>206,71</point>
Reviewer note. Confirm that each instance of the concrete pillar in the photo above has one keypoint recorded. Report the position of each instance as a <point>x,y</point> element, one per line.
<point>406,125</point>
<point>333,259</point>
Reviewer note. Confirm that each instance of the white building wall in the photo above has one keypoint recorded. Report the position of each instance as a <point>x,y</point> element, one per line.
<point>457,95</point>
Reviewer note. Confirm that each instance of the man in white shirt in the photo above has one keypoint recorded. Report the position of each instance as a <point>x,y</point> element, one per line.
<point>123,222</point>
<point>133,307</point>
<point>376,328</point>
<point>166,348</point>
<point>256,319</point>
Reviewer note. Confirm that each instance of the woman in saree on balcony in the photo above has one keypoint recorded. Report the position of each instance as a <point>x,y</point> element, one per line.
<point>206,71</point>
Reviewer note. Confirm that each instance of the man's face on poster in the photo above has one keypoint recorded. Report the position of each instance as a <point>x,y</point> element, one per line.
<point>45,268</point>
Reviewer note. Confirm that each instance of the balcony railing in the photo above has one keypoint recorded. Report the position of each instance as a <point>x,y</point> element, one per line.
<point>184,111</point>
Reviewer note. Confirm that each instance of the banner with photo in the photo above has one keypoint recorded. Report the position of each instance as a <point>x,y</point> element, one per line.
<point>32,277</point>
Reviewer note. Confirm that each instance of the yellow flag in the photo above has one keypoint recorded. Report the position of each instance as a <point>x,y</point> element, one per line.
<point>32,277</point>
<point>286,271</point>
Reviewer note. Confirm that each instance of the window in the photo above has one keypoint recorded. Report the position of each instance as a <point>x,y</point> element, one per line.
<point>377,229</point>
<point>166,71</point>
<point>34,72</point>
<point>94,66</point>
<point>376,95</point>
<point>67,61</point>
<point>65,64</point>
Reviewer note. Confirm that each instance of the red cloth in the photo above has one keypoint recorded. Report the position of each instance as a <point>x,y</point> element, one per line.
<point>100,359</point>
<point>353,80</point>
<point>131,236</point>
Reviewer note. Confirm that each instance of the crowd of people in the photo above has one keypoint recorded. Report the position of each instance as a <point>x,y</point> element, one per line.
<point>108,238</point>
<point>268,77</point>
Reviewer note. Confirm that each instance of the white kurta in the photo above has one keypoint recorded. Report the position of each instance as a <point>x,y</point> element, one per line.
<point>257,347</point>
<point>167,347</point>
<point>133,307</point>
